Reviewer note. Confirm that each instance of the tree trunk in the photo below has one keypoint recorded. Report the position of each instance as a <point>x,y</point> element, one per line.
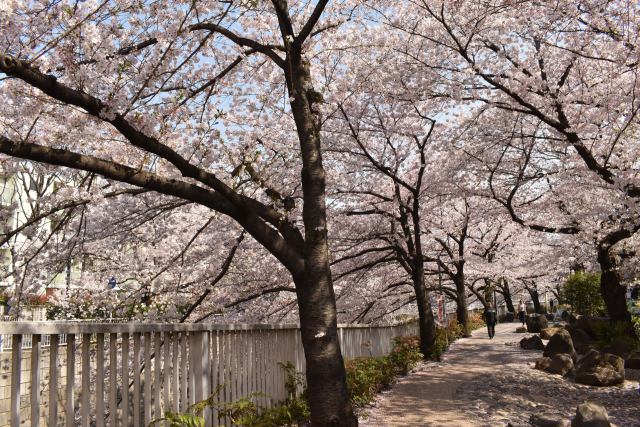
<point>328,395</point>
<point>612,291</point>
<point>425,317</point>
<point>535,297</point>
<point>329,400</point>
<point>505,291</point>
<point>461,310</point>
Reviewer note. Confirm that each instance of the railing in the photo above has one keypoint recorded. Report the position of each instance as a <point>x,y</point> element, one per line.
<point>6,343</point>
<point>130,374</point>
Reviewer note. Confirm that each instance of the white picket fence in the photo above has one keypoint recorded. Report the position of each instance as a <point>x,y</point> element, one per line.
<point>131,373</point>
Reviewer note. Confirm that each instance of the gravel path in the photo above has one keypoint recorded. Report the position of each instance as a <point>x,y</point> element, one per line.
<point>484,382</point>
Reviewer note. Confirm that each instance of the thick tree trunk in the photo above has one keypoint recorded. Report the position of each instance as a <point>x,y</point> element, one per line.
<point>425,317</point>
<point>461,310</point>
<point>613,291</point>
<point>535,297</point>
<point>328,396</point>
<point>508,299</point>
<point>326,376</point>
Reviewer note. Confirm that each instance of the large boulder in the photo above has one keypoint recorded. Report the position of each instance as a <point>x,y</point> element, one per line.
<point>549,317</point>
<point>561,364</point>
<point>560,343</point>
<point>547,333</point>
<point>582,341</point>
<point>536,322</point>
<point>543,363</point>
<point>590,414</point>
<point>599,369</point>
<point>532,343</point>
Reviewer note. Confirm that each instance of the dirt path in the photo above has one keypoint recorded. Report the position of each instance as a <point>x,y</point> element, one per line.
<point>484,382</point>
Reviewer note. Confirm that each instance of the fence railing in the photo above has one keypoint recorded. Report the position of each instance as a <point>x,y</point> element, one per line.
<point>126,374</point>
<point>6,342</point>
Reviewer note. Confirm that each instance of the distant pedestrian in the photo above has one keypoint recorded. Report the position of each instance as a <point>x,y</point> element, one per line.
<point>491,317</point>
<point>522,311</point>
<point>551,305</point>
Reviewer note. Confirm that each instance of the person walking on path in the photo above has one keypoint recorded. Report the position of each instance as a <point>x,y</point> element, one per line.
<point>491,318</point>
<point>522,311</point>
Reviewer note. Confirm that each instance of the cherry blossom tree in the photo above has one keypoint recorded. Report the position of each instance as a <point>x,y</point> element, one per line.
<point>387,144</point>
<point>167,97</point>
<point>548,100</point>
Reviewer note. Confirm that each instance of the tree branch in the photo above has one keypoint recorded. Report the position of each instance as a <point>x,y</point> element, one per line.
<point>266,235</point>
<point>241,41</point>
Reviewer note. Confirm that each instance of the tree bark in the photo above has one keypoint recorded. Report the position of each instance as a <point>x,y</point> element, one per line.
<point>425,316</point>
<point>425,313</point>
<point>535,297</point>
<point>503,288</point>
<point>329,400</point>
<point>461,310</point>
<point>328,395</point>
<point>613,291</point>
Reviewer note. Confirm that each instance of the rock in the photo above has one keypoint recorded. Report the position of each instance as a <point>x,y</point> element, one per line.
<point>521,330</point>
<point>543,421</point>
<point>536,322</point>
<point>543,363</point>
<point>561,364</point>
<point>560,343</point>
<point>549,317</point>
<point>582,342</point>
<point>633,361</point>
<point>532,343</point>
<point>590,414</point>
<point>599,369</point>
<point>547,333</point>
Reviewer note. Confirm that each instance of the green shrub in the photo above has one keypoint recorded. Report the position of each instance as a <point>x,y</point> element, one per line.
<point>582,292</point>
<point>441,344</point>
<point>608,334</point>
<point>242,412</point>
<point>451,332</point>
<point>245,413</point>
<point>444,337</point>
<point>405,353</point>
<point>367,376</point>
<point>293,411</point>
<point>191,418</point>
